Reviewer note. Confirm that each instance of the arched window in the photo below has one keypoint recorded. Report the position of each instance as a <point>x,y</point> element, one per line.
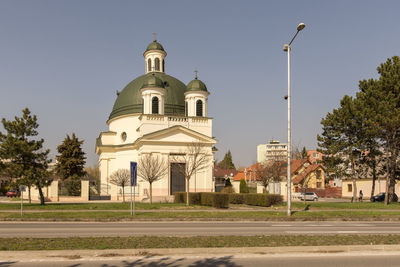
<point>157,64</point>
<point>154,105</point>
<point>163,65</point>
<point>186,108</point>
<point>199,108</point>
<point>149,64</point>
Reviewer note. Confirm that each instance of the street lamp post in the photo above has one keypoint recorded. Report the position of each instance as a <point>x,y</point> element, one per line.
<point>287,48</point>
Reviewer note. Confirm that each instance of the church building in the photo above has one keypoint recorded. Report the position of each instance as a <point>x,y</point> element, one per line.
<point>157,114</point>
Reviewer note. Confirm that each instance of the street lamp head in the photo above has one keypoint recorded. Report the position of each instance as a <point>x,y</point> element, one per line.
<point>285,47</point>
<point>301,26</point>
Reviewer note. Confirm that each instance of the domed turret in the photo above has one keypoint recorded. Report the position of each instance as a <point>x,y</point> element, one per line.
<point>196,85</point>
<point>152,81</point>
<point>196,97</point>
<point>155,57</point>
<point>154,46</point>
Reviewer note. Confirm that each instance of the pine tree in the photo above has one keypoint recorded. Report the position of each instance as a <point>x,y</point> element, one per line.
<point>243,188</point>
<point>304,154</point>
<point>70,163</point>
<point>22,155</point>
<point>340,139</point>
<point>382,103</point>
<point>227,162</point>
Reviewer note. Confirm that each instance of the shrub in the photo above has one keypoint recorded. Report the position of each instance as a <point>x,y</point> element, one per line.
<point>228,190</point>
<point>194,198</point>
<point>236,198</point>
<point>264,200</point>
<point>217,200</point>
<point>179,197</point>
<point>243,187</point>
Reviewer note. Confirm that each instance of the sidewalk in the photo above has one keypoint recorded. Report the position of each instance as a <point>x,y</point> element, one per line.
<point>52,255</point>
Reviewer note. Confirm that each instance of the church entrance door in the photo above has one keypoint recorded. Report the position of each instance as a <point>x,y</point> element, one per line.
<point>177,178</point>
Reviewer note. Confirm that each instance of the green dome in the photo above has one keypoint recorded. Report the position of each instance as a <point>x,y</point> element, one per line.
<point>154,46</point>
<point>152,81</point>
<point>196,85</point>
<point>129,100</point>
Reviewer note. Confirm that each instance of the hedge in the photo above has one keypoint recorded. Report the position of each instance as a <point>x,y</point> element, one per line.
<point>264,200</point>
<point>221,200</point>
<point>217,200</point>
<point>194,198</point>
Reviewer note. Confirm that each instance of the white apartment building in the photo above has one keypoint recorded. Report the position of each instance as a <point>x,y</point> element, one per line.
<point>274,150</point>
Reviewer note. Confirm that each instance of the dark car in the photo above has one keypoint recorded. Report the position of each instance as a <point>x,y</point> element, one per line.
<point>381,197</point>
<point>12,193</point>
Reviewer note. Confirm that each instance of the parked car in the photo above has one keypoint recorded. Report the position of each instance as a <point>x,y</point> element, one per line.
<point>12,193</point>
<point>309,196</point>
<point>381,197</point>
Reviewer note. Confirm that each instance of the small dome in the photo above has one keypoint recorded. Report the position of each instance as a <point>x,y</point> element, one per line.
<point>152,81</point>
<point>154,46</point>
<point>196,85</point>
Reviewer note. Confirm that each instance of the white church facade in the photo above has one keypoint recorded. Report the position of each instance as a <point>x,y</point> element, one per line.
<point>159,115</point>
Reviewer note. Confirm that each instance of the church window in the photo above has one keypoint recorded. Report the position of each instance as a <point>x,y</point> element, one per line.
<point>157,64</point>
<point>163,65</point>
<point>186,108</point>
<point>154,106</point>
<point>199,108</point>
<point>149,64</point>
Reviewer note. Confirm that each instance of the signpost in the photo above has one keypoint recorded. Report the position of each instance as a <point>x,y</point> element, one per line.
<point>133,183</point>
<point>22,189</point>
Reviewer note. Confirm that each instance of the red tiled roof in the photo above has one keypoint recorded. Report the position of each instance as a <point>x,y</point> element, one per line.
<point>250,173</point>
<point>219,172</point>
<point>311,168</point>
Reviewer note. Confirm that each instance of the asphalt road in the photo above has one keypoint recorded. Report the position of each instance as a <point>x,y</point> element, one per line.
<point>231,261</point>
<point>67,229</point>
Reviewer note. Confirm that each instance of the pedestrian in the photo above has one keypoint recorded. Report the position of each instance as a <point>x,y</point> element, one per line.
<point>361,196</point>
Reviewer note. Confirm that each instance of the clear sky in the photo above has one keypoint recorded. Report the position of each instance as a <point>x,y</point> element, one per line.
<point>66,59</point>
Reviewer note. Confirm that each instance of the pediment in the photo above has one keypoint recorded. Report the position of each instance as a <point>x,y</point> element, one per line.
<point>177,134</point>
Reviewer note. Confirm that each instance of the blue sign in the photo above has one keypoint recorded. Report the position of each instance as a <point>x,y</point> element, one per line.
<point>133,173</point>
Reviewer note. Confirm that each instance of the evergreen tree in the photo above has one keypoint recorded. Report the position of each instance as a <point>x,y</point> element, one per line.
<point>23,156</point>
<point>70,163</point>
<point>340,139</point>
<point>382,104</point>
<point>227,162</point>
<point>304,154</point>
<point>243,188</point>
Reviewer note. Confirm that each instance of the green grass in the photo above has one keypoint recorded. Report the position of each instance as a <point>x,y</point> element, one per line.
<point>144,242</point>
<point>203,215</point>
<point>97,206</point>
<point>346,205</point>
<point>181,206</point>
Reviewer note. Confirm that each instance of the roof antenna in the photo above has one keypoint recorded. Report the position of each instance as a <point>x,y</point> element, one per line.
<point>195,74</point>
<point>155,37</point>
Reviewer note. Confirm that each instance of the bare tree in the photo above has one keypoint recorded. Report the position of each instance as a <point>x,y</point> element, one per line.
<point>270,172</point>
<point>121,177</point>
<point>195,160</point>
<point>152,168</point>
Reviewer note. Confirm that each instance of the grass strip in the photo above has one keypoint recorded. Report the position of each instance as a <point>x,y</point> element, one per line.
<point>97,206</point>
<point>8,244</point>
<point>180,206</point>
<point>204,215</point>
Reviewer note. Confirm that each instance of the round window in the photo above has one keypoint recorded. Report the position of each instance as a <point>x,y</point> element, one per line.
<point>123,136</point>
